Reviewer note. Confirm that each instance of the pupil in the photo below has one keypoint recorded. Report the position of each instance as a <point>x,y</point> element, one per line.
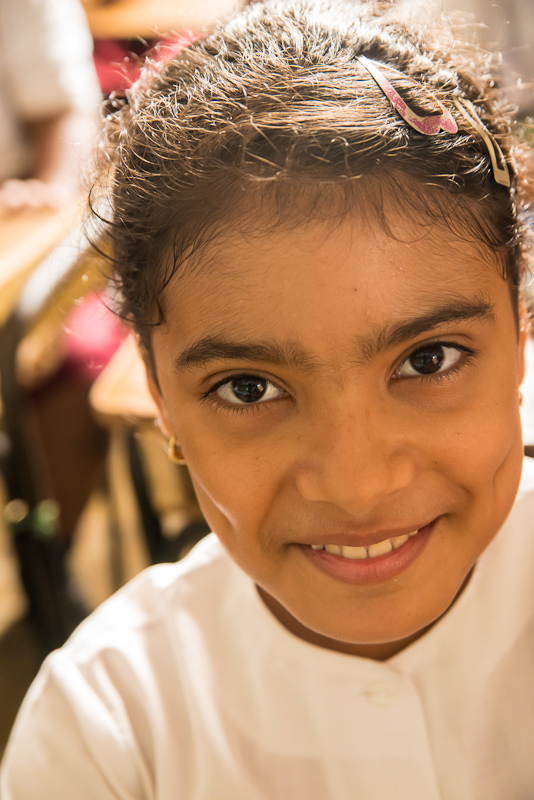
<point>428,360</point>
<point>249,390</point>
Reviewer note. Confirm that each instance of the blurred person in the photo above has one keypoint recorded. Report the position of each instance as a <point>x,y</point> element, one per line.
<point>49,98</point>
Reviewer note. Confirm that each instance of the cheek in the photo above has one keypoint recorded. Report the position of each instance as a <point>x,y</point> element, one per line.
<point>231,478</point>
<point>239,467</point>
<point>238,503</point>
<point>483,429</point>
<point>235,490</point>
<point>481,453</point>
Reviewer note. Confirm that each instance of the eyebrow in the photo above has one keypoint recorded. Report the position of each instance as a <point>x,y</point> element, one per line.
<point>212,348</point>
<point>215,348</point>
<point>453,310</point>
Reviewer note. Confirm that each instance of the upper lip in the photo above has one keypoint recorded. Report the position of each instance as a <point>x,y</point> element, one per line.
<point>346,539</point>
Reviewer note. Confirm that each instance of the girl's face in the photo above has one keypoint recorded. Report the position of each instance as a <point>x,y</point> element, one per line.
<point>347,403</point>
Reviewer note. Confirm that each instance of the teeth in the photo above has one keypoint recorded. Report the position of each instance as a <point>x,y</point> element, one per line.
<point>380,549</point>
<point>336,549</point>
<point>398,541</point>
<point>352,552</point>
<point>374,550</point>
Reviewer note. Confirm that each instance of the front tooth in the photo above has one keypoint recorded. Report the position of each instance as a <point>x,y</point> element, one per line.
<point>335,549</point>
<point>398,541</point>
<point>354,552</point>
<point>317,546</point>
<point>380,548</point>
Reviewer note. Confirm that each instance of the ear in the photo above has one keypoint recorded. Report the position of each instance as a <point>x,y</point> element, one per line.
<point>155,393</point>
<point>524,330</point>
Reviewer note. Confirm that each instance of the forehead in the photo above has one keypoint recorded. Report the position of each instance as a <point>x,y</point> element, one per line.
<point>351,267</point>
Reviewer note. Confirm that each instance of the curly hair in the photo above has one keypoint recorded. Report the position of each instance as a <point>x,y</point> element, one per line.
<point>272,116</point>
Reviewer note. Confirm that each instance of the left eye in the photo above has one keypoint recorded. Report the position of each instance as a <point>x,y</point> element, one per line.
<point>246,389</point>
<point>429,360</point>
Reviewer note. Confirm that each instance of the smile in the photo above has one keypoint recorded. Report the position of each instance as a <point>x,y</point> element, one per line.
<point>373,551</point>
<point>371,563</point>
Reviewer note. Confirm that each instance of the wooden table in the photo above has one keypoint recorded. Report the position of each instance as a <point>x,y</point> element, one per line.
<point>126,19</point>
<point>120,392</point>
<point>26,239</point>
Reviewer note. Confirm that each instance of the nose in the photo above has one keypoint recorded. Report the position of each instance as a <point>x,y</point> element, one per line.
<point>357,461</point>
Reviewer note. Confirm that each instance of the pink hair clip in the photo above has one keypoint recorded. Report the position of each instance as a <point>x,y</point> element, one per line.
<point>434,122</point>
<point>428,125</point>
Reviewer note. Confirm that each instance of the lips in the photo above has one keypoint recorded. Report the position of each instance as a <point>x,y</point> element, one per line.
<point>371,551</point>
<point>373,562</point>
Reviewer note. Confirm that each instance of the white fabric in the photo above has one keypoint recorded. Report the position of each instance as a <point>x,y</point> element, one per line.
<point>184,687</point>
<point>527,390</point>
<point>46,67</point>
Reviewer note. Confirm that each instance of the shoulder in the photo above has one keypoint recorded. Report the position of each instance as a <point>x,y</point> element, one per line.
<point>526,487</point>
<point>120,687</point>
<point>159,598</point>
<point>521,518</point>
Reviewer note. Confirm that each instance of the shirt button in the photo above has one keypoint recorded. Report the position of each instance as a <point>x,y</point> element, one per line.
<point>380,694</point>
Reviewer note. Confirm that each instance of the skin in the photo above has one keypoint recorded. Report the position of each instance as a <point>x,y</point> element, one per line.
<point>351,441</point>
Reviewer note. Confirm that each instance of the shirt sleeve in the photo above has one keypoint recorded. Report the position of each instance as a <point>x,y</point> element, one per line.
<point>46,53</point>
<point>72,739</point>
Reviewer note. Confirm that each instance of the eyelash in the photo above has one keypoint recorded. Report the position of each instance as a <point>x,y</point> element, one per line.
<point>439,377</point>
<point>252,408</point>
<point>237,408</point>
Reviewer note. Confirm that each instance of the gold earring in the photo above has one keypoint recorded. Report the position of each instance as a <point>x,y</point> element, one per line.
<point>174,453</point>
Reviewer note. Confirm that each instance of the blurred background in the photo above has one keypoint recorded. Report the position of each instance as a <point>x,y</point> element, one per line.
<point>88,496</point>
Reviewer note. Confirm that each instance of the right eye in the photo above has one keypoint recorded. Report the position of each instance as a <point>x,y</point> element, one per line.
<point>246,390</point>
<point>432,360</point>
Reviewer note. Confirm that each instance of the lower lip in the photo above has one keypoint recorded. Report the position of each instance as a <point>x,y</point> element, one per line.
<point>370,570</point>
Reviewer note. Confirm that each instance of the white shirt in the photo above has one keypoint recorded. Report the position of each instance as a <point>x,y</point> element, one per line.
<point>183,686</point>
<point>46,68</point>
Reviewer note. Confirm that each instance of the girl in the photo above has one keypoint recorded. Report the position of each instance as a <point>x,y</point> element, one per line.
<point>317,235</point>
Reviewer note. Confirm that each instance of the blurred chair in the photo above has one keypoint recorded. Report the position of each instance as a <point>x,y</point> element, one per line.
<point>42,533</point>
<point>32,510</point>
<point>167,508</point>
